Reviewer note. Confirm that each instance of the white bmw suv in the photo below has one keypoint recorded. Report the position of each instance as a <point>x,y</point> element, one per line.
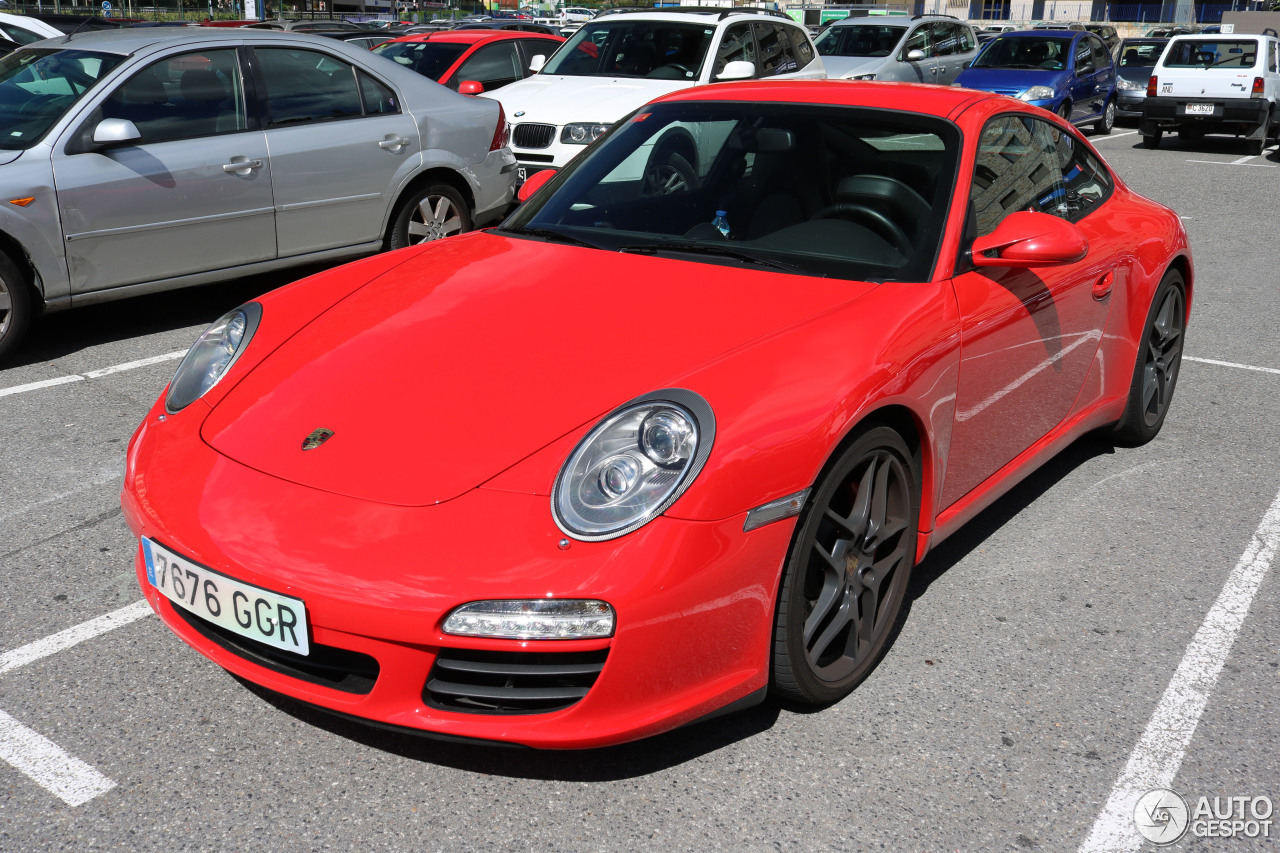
<point>620,61</point>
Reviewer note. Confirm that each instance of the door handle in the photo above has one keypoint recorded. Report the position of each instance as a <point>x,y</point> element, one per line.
<point>393,143</point>
<point>1102,287</point>
<point>241,165</point>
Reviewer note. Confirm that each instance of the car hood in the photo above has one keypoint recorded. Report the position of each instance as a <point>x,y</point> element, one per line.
<point>552,99</point>
<point>1007,80</point>
<point>848,66</point>
<point>457,364</point>
<point>7,157</point>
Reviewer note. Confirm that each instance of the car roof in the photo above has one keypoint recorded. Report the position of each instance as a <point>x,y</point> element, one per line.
<point>473,36</point>
<point>941,101</point>
<point>128,40</point>
<point>689,13</point>
<point>1061,35</point>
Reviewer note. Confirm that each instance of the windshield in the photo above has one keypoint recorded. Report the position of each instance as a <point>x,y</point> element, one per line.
<point>818,190</point>
<point>429,58</point>
<point>1201,53</point>
<point>658,49</point>
<point>1140,54</point>
<point>1025,52</point>
<point>859,41</point>
<point>38,86</point>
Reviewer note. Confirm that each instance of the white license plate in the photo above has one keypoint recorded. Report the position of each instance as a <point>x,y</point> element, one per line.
<point>1199,109</point>
<point>522,175</point>
<point>241,608</point>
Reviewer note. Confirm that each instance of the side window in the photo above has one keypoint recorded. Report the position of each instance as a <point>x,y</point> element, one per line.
<point>775,50</point>
<point>20,36</point>
<point>306,86</point>
<point>944,38</point>
<point>800,44</point>
<point>184,96</point>
<point>968,41</point>
<point>919,40</point>
<point>529,48</point>
<point>1085,180</point>
<point>1272,52</point>
<point>1101,56</point>
<point>737,44</point>
<point>378,99</point>
<point>1084,57</point>
<point>1016,169</point>
<point>493,65</point>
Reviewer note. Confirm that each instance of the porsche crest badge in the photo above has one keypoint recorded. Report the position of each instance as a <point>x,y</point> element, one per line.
<point>317,438</point>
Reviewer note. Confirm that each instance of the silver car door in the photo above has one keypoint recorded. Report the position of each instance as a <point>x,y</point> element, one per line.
<point>919,70</point>
<point>337,138</point>
<point>193,194</point>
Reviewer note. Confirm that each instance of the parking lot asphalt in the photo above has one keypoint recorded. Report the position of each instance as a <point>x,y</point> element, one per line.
<point>1039,645</point>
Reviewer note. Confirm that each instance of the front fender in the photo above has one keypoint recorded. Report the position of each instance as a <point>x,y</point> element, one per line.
<point>35,228</point>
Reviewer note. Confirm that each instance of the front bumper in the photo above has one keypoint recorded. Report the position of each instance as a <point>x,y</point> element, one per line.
<point>1247,116</point>
<point>694,600</point>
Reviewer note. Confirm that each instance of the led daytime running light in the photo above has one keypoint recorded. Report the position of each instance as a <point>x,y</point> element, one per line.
<point>533,619</point>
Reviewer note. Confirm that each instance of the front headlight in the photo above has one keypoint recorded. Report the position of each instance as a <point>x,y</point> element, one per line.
<point>1037,93</point>
<point>633,465</point>
<point>870,76</point>
<point>582,133</point>
<point>211,356</point>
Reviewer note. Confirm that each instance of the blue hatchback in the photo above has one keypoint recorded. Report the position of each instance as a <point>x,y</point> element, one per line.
<point>1067,72</point>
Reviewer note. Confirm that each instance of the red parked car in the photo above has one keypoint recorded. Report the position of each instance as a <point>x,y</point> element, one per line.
<point>492,58</point>
<point>675,433</point>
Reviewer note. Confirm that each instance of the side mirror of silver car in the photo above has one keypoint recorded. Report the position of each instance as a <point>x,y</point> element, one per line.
<point>114,131</point>
<point>915,55</point>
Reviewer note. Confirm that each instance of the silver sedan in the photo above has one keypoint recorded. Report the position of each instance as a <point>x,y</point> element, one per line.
<point>138,160</point>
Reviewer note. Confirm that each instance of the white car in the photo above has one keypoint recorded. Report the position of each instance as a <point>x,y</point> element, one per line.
<point>22,29</point>
<point>619,61</point>
<point>576,15</point>
<point>1215,84</point>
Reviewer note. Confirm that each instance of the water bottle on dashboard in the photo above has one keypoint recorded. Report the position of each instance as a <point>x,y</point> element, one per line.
<point>721,223</point>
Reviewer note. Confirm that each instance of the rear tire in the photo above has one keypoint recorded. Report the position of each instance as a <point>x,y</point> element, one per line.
<point>1190,135</point>
<point>1152,140</point>
<point>1256,146</point>
<point>430,213</point>
<point>15,305</point>
<point>1155,370</point>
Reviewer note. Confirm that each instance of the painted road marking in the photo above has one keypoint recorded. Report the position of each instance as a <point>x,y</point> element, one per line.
<point>74,635</point>
<point>1159,753</point>
<point>1239,162</point>
<point>58,772</point>
<point>1095,140</point>
<point>92,374</point>
<point>1232,364</point>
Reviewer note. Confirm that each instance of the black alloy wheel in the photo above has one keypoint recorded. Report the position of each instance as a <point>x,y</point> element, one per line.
<point>1155,374</point>
<point>15,305</point>
<point>848,570</point>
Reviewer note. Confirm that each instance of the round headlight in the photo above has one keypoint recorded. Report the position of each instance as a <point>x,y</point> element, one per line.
<point>633,465</point>
<point>211,356</point>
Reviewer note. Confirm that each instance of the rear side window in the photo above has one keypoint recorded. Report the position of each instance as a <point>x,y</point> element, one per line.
<point>800,44</point>
<point>776,56</point>
<point>736,45</point>
<point>306,86</point>
<point>1202,53</point>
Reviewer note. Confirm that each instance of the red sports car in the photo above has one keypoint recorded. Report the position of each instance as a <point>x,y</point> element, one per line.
<point>670,437</point>
<point>491,58</point>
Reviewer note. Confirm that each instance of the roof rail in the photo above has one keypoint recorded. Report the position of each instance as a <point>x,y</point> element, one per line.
<point>694,10</point>
<point>932,15</point>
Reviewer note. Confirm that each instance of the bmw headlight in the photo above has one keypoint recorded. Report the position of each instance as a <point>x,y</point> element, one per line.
<point>582,133</point>
<point>1037,93</point>
<point>633,465</point>
<point>211,356</point>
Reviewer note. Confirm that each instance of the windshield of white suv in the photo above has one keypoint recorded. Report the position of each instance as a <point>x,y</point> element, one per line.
<point>1201,53</point>
<point>817,190</point>
<point>38,86</point>
<point>1025,52</point>
<point>859,40</point>
<point>663,50</point>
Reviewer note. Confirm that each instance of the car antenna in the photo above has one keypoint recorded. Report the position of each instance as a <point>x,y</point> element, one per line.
<point>80,26</point>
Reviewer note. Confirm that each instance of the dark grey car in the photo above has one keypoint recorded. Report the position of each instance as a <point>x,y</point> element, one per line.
<point>143,160</point>
<point>1134,61</point>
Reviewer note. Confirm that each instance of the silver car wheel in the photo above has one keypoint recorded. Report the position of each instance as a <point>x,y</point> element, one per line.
<point>15,305</point>
<point>434,218</point>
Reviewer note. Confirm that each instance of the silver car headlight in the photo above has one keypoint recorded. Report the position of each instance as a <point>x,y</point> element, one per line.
<point>582,133</point>
<point>1037,93</point>
<point>633,465</point>
<point>870,76</point>
<point>211,356</point>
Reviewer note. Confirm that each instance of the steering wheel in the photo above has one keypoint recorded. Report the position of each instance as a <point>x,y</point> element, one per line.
<point>684,69</point>
<point>873,219</point>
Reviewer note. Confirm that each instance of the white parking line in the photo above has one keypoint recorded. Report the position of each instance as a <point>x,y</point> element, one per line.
<point>1155,760</point>
<point>1231,364</point>
<point>1239,162</point>
<point>58,772</point>
<point>63,640</point>
<point>92,374</point>
<point>1096,139</point>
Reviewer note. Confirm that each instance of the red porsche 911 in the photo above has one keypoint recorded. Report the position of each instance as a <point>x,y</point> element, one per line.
<point>673,435</point>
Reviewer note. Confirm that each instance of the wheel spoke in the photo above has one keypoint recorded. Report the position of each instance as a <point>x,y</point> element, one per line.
<point>1148,385</point>
<point>441,210</point>
<point>828,600</point>
<point>418,229</point>
<point>879,507</point>
<point>842,617</point>
<point>6,301</point>
<point>449,226</point>
<point>424,209</point>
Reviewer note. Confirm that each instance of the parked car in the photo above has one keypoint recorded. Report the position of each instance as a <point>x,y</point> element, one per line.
<point>519,26</point>
<point>309,25</point>
<point>23,29</point>
<point>1107,33</point>
<point>146,163</point>
<point>923,49</point>
<point>1134,61</point>
<point>879,308</point>
<point>623,58</point>
<point>1070,73</point>
<point>1059,25</point>
<point>1215,84</point>
<point>368,39</point>
<point>1170,32</point>
<point>485,57</point>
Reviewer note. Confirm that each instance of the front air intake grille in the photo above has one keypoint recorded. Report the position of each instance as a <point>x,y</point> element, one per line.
<point>477,682</point>
<point>328,666</point>
<point>533,135</point>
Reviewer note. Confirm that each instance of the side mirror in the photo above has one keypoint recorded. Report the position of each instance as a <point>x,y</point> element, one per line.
<point>534,183</point>
<point>115,131</point>
<point>915,55</point>
<point>1027,239</point>
<point>536,64</point>
<point>739,69</point>
<point>470,87</point>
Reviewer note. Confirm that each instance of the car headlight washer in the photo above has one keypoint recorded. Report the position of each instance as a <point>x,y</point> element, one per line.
<point>211,356</point>
<point>633,464</point>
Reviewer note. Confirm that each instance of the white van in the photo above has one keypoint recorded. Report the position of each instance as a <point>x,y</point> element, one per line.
<point>1223,83</point>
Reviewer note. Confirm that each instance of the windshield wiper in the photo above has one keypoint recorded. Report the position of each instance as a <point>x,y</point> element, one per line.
<point>550,235</point>
<point>717,251</point>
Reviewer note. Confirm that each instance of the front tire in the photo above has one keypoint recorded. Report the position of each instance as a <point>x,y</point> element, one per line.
<point>430,213</point>
<point>1105,124</point>
<point>848,570</point>
<point>15,305</point>
<point>1155,371</point>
